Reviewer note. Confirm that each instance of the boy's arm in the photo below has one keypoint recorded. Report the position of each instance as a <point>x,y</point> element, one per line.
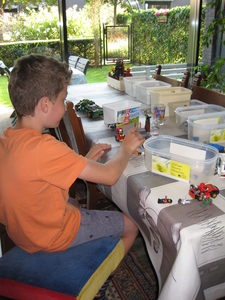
<point>110,172</point>
<point>97,151</point>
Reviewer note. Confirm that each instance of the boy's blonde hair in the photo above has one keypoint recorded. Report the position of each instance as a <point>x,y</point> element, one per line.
<point>34,77</point>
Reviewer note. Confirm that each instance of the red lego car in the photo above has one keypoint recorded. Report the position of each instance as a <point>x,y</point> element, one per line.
<point>212,190</point>
<point>207,190</point>
<point>195,193</point>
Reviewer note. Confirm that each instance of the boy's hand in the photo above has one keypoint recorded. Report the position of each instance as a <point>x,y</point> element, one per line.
<point>97,151</point>
<point>133,139</point>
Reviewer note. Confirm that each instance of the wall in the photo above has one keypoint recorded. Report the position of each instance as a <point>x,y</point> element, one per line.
<point>180,3</point>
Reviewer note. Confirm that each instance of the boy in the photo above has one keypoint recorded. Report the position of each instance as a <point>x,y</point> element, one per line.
<point>37,170</point>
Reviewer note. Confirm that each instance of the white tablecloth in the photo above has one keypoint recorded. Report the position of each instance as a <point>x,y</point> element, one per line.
<point>185,242</point>
<point>78,77</point>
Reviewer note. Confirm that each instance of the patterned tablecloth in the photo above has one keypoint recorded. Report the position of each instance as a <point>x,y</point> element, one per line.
<point>185,242</point>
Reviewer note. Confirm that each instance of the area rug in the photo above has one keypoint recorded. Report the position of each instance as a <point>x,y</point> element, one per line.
<point>135,278</point>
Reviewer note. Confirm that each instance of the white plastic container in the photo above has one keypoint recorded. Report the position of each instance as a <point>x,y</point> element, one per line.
<point>183,113</point>
<point>166,95</point>
<point>121,112</point>
<point>207,128</point>
<point>129,83</point>
<point>180,159</point>
<point>143,89</point>
<point>174,105</point>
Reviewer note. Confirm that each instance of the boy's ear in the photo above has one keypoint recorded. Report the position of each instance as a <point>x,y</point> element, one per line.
<point>44,104</point>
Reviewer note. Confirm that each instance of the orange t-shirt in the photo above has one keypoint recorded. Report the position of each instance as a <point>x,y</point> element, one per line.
<point>36,172</point>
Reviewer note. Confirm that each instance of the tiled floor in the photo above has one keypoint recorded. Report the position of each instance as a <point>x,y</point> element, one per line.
<point>5,120</point>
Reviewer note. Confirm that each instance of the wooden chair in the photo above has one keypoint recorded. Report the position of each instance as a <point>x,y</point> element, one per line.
<point>6,243</point>
<point>71,132</point>
<point>79,272</point>
<point>207,96</point>
<point>82,64</point>
<point>174,82</point>
<point>158,69</point>
<point>73,59</point>
<point>196,81</point>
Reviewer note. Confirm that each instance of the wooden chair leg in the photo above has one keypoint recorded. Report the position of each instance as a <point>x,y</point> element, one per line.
<point>6,243</point>
<point>93,195</point>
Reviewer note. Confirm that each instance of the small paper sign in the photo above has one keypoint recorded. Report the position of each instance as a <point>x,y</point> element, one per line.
<point>188,152</point>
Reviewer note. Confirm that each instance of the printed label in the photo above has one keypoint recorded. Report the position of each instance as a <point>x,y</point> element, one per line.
<point>128,116</point>
<point>217,135</point>
<point>171,168</point>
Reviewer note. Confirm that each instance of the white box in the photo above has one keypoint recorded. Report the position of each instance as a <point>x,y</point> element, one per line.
<point>166,95</point>
<point>174,105</point>
<point>129,83</point>
<point>143,89</point>
<point>207,128</point>
<point>180,159</point>
<point>116,84</point>
<point>121,112</point>
<point>183,113</point>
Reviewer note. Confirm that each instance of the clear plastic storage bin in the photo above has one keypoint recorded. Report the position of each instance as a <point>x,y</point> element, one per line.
<point>207,128</point>
<point>122,112</point>
<point>180,159</point>
<point>167,95</point>
<point>174,105</point>
<point>143,89</point>
<point>129,83</point>
<point>183,113</point>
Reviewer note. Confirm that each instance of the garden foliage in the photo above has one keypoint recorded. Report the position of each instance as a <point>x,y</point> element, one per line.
<point>38,32</point>
<point>155,42</point>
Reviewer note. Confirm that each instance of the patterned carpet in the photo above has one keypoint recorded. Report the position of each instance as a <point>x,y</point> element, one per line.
<point>135,278</point>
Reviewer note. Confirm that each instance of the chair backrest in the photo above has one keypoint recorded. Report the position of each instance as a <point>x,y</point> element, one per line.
<point>72,60</point>
<point>207,96</point>
<point>71,130</point>
<point>196,81</point>
<point>158,69</point>
<point>82,65</point>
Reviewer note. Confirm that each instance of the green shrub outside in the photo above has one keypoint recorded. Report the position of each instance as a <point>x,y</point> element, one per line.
<point>152,42</point>
<point>163,43</point>
<point>122,19</point>
<point>38,32</point>
<point>10,52</point>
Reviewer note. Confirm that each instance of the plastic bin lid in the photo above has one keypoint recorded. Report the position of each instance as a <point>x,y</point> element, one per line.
<point>194,118</point>
<point>149,144</point>
<point>216,108</point>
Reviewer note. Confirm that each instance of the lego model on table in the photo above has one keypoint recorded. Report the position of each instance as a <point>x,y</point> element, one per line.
<point>88,106</point>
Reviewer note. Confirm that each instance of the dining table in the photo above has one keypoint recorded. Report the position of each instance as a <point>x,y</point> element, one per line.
<point>185,242</point>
